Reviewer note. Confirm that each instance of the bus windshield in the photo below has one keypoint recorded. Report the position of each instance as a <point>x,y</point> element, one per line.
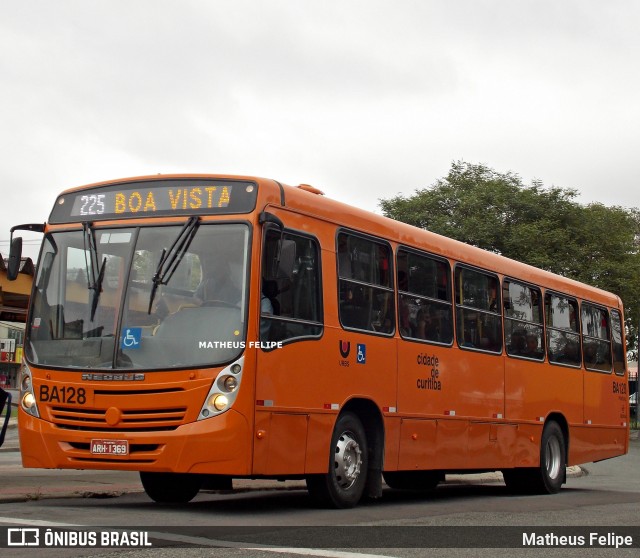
<point>157,297</point>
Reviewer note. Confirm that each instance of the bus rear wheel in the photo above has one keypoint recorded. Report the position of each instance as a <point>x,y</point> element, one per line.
<point>171,488</point>
<point>343,485</point>
<point>550,475</point>
<point>553,460</point>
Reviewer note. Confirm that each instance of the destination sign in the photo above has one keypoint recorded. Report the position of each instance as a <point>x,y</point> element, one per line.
<point>155,198</point>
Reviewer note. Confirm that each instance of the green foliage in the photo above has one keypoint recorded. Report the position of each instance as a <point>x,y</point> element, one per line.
<point>544,227</point>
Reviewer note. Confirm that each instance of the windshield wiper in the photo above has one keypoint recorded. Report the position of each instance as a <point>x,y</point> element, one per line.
<point>170,259</point>
<point>95,274</point>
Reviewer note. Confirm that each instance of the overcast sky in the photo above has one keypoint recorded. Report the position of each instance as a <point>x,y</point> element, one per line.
<point>362,99</point>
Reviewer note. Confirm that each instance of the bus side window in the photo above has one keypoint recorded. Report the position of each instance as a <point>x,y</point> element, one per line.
<point>291,296</point>
<point>365,284</point>
<point>523,330</point>
<point>619,365</point>
<point>596,345</point>
<point>563,336</point>
<point>424,297</point>
<point>478,310</point>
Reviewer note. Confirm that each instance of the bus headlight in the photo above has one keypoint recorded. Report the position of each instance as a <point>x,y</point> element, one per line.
<point>230,383</point>
<point>25,385</point>
<point>28,400</point>
<point>224,390</point>
<point>219,402</point>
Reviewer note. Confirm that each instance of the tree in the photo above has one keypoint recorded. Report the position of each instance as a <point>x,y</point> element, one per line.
<point>543,227</point>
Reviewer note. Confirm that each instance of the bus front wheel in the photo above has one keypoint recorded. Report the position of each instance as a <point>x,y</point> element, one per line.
<point>171,488</point>
<point>343,485</point>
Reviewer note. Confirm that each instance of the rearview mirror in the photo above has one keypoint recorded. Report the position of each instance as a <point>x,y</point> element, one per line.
<point>281,258</point>
<point>15,252</point>
<point>15,255</point>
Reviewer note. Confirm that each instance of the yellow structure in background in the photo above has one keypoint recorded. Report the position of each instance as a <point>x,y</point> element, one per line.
<point>14,295</point>
<point>14,303</point>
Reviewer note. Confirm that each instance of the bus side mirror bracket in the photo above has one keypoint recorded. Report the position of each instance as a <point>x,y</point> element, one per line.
<point>266,217</point>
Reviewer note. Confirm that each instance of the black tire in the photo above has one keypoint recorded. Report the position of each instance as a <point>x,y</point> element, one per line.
<point>422,481</point>
<point>553,460</point>
<point>171,488</point>
<point>343,485</point>
<point>550,475</point>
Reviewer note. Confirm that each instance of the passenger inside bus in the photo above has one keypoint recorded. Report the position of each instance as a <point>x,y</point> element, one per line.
<point>570,353</point>
<point>423,321</point>
<point>220,284</point>
<point>533,346</point>
<point>518,345</point>
<point>405,319</point>
<point>266,307</point>
<point>595,358</point>
<point>270,300</point>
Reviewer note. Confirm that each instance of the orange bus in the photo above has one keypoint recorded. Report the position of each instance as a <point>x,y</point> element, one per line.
<point>201,328</point>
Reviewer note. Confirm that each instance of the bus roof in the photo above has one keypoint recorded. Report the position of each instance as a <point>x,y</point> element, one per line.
<point>409,235</point>
<point>309,200</point>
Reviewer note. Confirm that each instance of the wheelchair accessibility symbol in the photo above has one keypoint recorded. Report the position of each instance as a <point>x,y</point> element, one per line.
<point>361,355</point>
<point>131,338</point>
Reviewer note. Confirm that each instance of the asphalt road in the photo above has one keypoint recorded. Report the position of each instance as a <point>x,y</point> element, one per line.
<point>469,517</point>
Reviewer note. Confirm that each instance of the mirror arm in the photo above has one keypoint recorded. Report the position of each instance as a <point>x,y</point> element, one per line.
<point>266,217</point>
<point>33,227</point>
<point>15,248</point>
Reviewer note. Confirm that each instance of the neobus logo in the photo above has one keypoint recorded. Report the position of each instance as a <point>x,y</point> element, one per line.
<point>113,377</point>
<point>345,348</point>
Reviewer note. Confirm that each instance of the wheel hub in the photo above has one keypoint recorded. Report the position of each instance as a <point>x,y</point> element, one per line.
<point>552,460</point>
<point>348,460</point>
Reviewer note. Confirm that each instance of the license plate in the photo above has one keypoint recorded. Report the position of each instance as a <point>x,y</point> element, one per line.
<point>110,447</point>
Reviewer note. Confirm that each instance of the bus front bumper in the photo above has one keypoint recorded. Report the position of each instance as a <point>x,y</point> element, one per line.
<point>219,445</point>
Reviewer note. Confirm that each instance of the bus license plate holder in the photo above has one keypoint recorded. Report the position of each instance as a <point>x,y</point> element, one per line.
<point>109,447</point>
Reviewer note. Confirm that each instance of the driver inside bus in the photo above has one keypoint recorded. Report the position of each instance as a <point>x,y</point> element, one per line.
<point>221,283</point>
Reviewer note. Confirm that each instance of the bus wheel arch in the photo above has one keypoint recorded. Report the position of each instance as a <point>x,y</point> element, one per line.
<point>551,472</point>
<point>554,452</point>
<point>561,421</point>
<point>355,458</point>
<point>373,423</point>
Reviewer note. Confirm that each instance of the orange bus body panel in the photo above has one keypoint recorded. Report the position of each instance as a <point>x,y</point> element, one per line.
<point>441,407</point>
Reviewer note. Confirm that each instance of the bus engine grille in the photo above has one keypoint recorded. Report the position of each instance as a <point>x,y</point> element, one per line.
<point>147,420</point>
